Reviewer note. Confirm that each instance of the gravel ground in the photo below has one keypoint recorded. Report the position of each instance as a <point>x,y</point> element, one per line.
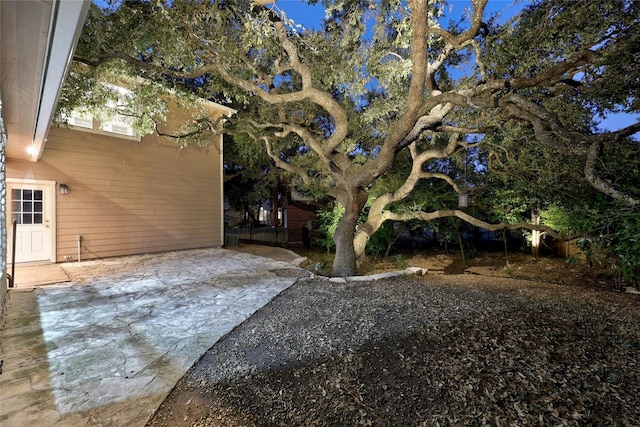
<point>433,350</point>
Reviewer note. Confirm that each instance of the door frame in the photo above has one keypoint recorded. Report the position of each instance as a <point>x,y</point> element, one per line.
<point>50,200</point>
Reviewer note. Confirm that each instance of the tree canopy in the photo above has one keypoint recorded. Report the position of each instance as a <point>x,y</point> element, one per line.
<point>382,98</point>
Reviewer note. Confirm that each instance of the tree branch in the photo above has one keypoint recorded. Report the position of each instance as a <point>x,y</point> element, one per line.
<point>377,209</point>
<point>281,163</point>
<point>550,131</point>
<point>598,183</point>
<point>429,216</point>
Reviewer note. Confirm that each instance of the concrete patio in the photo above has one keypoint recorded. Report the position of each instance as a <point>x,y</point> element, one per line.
<point>106,347</point>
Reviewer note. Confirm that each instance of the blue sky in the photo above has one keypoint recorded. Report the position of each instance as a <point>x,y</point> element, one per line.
<point>311,16</point>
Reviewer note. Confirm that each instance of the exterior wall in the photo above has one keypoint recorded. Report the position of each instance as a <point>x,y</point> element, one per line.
<point>129,197</point>
<point>298,216</point>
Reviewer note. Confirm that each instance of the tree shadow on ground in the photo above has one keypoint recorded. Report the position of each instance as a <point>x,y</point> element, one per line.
<point>471,370</point>
<point>404,351</point>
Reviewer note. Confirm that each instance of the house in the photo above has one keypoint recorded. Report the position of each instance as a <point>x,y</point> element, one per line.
<point>94,189</point>
<point>301,217</point>
<point>287,218</point>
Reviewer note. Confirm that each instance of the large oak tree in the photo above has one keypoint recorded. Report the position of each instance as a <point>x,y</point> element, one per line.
<point>336,106</point>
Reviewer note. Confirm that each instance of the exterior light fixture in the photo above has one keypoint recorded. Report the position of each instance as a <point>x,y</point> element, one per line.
<point>463,200</point>
<point>64,189</point>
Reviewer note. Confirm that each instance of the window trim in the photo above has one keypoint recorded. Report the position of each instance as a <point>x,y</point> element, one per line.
<point>98,129</point>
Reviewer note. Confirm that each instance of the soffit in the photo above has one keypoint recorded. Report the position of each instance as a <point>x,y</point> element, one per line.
<point>37,38</point>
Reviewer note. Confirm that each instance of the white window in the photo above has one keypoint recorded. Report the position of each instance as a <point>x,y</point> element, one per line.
<point>80,120</point>
<point>119,125</point>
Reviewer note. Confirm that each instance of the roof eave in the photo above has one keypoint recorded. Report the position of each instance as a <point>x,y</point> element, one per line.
<point>67,21</point>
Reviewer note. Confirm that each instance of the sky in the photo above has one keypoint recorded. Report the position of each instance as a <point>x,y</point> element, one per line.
<point>311,16</point>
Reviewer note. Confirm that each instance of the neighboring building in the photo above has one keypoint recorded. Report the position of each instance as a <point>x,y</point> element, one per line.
<point>93,189</point>
<point>301,220</point>
<point>288,218</point>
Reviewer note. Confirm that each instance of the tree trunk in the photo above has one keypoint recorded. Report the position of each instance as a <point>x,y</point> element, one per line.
<point>506,252</point>
<point>536,235</point>
<point>360,244</point>
<point>344,263</point>
<point>461,243</point>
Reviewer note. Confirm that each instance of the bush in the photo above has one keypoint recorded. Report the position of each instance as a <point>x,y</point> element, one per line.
<point>327,222</point>
<point>383,238</point>
<point>614,242</point>
<point>622,242</point>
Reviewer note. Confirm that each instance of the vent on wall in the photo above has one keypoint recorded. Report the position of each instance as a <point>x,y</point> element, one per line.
<point>119,128</point>
<point>80,121</point>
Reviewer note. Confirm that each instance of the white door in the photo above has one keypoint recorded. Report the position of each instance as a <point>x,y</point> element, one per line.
<point>29,205</point>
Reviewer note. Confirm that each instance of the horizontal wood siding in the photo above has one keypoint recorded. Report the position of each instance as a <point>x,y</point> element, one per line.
<point>129,197</point>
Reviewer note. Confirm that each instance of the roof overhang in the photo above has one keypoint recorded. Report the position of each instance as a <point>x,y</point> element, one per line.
<point>223,109</point>
<point>37,42</point>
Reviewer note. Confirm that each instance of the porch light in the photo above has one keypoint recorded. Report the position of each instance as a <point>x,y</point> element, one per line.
<point>463,200</point>
<point>64,189</point>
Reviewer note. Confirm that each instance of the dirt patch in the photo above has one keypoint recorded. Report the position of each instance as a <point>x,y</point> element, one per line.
<point>441,349</point>
<point>493,264</point>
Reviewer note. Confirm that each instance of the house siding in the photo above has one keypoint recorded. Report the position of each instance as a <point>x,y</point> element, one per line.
<point>129,197</point>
